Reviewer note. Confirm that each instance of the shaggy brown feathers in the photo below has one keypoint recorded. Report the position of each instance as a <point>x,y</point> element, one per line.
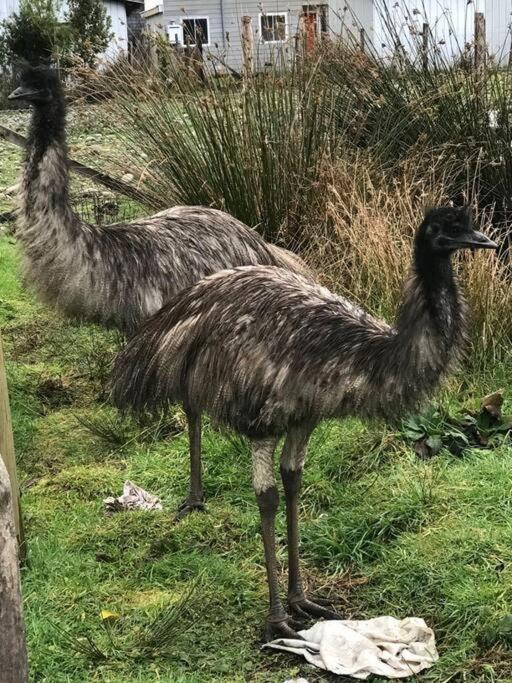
<point>261,350</point>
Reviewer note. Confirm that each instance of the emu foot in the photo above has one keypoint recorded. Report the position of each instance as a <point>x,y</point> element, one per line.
<point>187,506</point>
<point>303,608</point>
<point>284,628</point>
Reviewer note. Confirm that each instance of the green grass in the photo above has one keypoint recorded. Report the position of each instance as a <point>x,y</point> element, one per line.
<point>382,530</point>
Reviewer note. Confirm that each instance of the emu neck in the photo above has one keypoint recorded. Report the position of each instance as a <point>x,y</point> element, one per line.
<point>431,300</point>
<point>404,365</point>
<point>45,181</point>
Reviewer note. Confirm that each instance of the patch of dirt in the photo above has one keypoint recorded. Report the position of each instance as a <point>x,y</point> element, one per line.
<point>54,392</point>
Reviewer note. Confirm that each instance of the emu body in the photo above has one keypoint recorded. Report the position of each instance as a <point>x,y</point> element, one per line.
<point>119,274</point>
<point>268,353</point>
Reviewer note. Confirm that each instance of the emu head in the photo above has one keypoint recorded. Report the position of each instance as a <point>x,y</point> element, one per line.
<point>446,229</point>
<point>38,85</point>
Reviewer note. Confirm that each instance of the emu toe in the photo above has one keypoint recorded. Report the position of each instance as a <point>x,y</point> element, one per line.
<point>306,609</point>
<point>283,629</point>
<point>188,506</point>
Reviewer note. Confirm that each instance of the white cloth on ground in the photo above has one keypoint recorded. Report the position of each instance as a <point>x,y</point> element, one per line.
<point>383,646</point>
<point>133,498</point>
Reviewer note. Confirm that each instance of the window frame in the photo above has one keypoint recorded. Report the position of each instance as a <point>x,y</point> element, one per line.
<point>207,19</point>
<point>274,14</point>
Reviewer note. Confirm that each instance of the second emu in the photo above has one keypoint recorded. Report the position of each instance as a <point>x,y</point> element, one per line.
<point>269,354</point>
<point>116,275</point>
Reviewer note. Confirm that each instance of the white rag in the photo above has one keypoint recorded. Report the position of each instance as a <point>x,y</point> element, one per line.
<point>383,646</point>
<point>133,498</point>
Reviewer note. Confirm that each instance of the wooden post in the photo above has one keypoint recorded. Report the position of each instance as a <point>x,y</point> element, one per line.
<point>13,652</point>
<point>300,37</point>
<point>247,45</point>
<point>424,45</point>
<point>7,450</point>
<point>480,43</point>
<point>362,40</point>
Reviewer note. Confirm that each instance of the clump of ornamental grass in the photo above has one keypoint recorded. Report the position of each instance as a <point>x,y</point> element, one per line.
<point>252,147</point>
<point>362,247</point>
<point>418,88</point>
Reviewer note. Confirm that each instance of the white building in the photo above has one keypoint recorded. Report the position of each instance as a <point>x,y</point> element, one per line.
<point>451,22</point>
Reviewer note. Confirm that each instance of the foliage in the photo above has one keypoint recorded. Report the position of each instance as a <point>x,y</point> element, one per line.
<point>90,29</point>
<point>33,34</point>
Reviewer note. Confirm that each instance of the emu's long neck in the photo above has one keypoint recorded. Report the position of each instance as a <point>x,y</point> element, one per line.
<point>45,204</point>
<point>405,365</point>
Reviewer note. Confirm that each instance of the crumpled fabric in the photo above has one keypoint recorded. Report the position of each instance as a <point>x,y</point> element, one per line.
<point>132,498</point>
<point>384,646</point>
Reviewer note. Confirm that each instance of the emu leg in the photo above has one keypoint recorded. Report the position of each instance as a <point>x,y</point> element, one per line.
<point>267,498</point>
<point>195,498</point>
<point>292,461</point>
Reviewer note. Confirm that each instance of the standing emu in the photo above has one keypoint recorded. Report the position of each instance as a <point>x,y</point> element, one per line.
<point>270,354</point>
<point>116,275</point>
<point>119,274</point>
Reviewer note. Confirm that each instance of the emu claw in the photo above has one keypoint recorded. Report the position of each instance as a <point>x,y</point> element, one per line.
<point>305,609</point>
<point>282,629</point>
<point>188,506</point>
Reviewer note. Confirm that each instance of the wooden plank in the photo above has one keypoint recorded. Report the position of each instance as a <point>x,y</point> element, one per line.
<point>98,177</point>
<point>13,651</point>
<point>7,448</point>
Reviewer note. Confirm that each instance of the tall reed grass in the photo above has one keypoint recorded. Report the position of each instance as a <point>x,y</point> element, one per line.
<point>252,148</point>
<point>362,248</point>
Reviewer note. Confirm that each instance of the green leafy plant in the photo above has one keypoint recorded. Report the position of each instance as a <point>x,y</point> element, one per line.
<point>435,429</point>
<point>90,29</point>
<point>33,34</point>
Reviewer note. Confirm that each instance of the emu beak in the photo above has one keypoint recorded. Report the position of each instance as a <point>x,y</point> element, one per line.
<point>474,240</point>
<point>23,93</point>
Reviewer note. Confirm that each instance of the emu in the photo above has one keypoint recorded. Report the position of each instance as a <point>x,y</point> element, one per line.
<point>116,275</point>
<point>269,354</point>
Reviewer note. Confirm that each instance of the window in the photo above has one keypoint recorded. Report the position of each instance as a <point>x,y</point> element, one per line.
<point>273,27</point>
<point>195,31</point>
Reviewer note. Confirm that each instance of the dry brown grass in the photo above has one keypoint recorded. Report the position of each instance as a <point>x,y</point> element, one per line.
<point>361,246</point>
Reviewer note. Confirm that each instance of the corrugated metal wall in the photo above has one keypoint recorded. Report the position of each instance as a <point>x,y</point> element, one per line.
<point>499,18</point>
<point>117,13</point>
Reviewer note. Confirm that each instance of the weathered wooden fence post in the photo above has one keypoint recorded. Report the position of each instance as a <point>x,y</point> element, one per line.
<point>7,449</point>
<point>247,45</point>
<point>13,652</point>
<point>300,37</point>
<point>362,40</point>
<point>480,43</point>
<point>425,40</point>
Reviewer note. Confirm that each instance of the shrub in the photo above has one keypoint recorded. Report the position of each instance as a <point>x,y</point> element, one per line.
<point>90,29</point>
<point>33,34</point>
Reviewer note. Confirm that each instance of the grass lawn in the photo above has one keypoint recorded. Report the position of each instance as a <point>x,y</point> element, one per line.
<point>384,531</point>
